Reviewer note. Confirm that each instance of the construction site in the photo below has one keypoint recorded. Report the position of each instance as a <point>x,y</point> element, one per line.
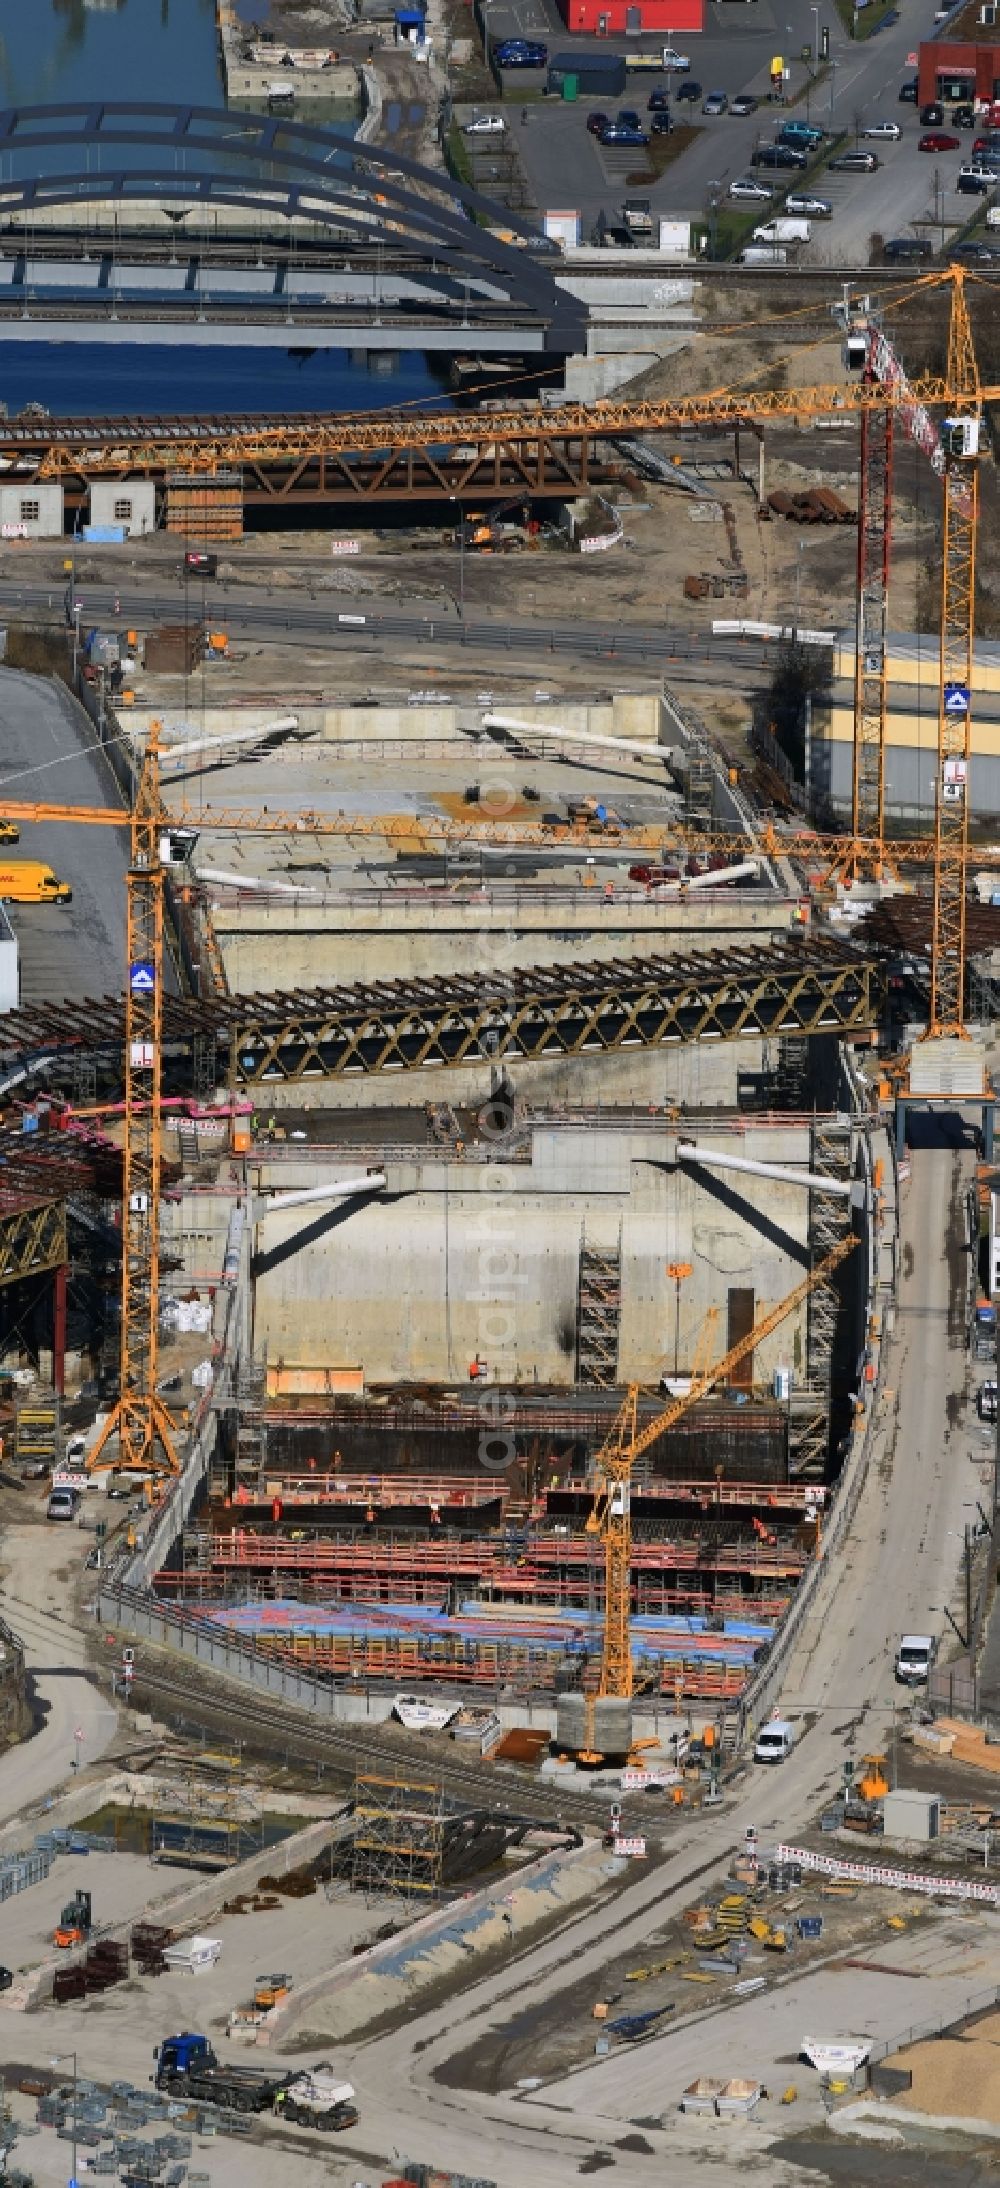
<point>477,1160</point>
<point>502,1120</point>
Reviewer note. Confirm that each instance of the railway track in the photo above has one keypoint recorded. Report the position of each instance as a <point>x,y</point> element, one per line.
<point>184,1703</point>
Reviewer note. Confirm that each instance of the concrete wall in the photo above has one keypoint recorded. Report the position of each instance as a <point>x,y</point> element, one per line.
<point>698,1075</point>
<point>131,502</point>
<point>466,1260</point>
<point>301,943</point>
<point>627,714</point>
<point>10,970</point>
<point>19,504</point>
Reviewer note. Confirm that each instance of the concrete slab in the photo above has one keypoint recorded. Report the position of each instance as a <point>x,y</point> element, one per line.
<point>122,1886</point>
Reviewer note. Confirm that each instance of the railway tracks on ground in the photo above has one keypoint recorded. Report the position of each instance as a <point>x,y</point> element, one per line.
<point>344,1750</point>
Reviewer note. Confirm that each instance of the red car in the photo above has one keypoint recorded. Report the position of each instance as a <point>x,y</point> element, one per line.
<point>938,142</point>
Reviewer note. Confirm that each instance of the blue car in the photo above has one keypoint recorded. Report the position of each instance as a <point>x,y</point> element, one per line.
<point>520,53</point>
<point>622,133</point>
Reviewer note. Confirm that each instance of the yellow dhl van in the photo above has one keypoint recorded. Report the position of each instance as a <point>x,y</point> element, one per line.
<point>27,881</point>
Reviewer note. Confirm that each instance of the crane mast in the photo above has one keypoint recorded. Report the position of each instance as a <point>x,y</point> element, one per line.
<point>958,590</point>
<point>874,541</point>
<point>140,1419</point>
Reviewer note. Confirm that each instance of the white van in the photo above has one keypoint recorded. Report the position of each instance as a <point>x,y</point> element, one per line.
<point>775,1741</point>
<point>914,1658</point>
<point>763,254</point>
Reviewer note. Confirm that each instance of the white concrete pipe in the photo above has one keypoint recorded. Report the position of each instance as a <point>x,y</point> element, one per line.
<point>337,1189</point>
<point>222,880</point>
<point>689,1151</point>
<point>557,735</point>
<point>286,726</point>
<point>721,878</point>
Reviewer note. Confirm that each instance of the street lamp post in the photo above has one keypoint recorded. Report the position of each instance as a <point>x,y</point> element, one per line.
<point>460,521</point>
<point>814,12</point>
<point>57,2061</point>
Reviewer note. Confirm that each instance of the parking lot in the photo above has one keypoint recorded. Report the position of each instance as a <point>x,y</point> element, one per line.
<point>912,193</point>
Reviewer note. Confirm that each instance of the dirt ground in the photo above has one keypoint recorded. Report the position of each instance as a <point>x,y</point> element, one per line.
<point>674,1978</point>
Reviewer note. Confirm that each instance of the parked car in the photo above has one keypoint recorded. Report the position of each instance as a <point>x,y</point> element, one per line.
<point>658,102</point>
<point>973,254</point>
<point>804,133</point>
<point>690,90</point>
<point>671,61</point>
<point>986,1402</point>
<point>6,1978</point>
<point>520,53</point>
<point>908,93</point>
<point>901,249</point>
<point>62,1504</point>
<point>596,122</point>
<point>622,133</point>
<point>716,103</point>
<point>963,116</point>
<point>803,201</point>
<point>937,141</point>
<point>778,155</point>
<point>744,104</point>
<point>975,181</point>
<point>855,163</point>
<point>748,187</point>
<point>484,125</point>
<point>627,118</point>
<point>660,125</point>
<point>890,131</point>
<point>932,116</point>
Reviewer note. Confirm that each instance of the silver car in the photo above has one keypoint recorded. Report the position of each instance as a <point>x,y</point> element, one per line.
<point>756,193</point>
<point>61,1504</point>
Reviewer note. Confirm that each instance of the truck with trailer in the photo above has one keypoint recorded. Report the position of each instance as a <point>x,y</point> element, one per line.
<point>187,2066</point>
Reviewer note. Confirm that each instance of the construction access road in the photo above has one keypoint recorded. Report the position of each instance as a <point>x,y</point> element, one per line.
<point>899,1558</point>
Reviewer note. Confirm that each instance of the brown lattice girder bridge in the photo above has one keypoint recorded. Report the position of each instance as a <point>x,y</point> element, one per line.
<point>541,1012</point>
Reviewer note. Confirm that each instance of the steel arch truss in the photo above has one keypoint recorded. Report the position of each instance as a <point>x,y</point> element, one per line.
<point>368,198</point>
<point>543,1012</point>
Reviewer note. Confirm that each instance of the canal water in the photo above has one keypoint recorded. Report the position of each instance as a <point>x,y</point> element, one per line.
<point>62,51</point>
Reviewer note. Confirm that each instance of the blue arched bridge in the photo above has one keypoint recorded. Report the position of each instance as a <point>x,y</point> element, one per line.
<point>204,224</point>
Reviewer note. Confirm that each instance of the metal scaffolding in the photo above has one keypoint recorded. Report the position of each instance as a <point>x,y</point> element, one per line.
<point>598,1316</point>
<point>397,1848</point>
<point>830,1155</point>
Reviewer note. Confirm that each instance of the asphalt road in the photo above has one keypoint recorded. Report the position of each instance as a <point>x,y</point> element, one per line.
<point>340,621</point>
<point>34,1598</point>
<point>44,738</point>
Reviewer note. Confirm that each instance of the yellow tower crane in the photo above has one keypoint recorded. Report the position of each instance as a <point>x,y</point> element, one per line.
<point>140,1420</point>
<point>611,1515</point>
